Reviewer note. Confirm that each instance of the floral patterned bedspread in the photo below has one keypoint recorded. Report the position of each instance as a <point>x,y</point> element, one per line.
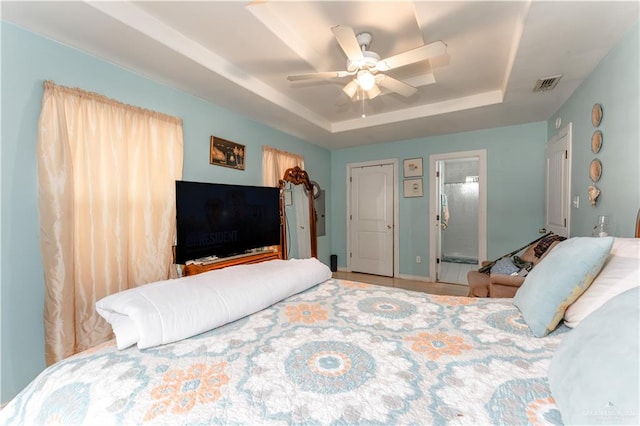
<point>340,353</point>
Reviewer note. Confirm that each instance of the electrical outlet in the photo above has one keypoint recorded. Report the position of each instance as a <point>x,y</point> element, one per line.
<point>418,259</point>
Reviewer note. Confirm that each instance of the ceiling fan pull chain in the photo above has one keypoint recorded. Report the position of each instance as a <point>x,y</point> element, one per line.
<point>363,114</point>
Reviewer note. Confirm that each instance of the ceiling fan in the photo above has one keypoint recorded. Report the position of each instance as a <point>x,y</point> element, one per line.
<point>367,67</point>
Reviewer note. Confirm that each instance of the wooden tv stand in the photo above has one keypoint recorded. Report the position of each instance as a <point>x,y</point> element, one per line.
<point>223,262</point>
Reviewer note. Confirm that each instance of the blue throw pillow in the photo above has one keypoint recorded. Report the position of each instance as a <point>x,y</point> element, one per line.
<point>594,373</point>
<point>558,280</point>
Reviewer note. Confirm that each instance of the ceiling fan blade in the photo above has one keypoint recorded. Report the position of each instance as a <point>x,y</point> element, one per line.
<point>431,50</point>
<point>396,86</point>
<point>320,75</point>
<point>347,40</point>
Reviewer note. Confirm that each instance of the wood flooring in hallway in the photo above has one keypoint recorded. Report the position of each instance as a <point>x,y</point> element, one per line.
<point>424,286</point>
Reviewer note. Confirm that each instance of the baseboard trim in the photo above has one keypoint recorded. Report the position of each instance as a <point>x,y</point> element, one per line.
<point>414,278</point>
<point>400,276</point>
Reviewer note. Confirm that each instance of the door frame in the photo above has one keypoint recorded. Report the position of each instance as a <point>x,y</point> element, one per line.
<point>566,178</point>
<point>396,212</point>
<point>434,204</point>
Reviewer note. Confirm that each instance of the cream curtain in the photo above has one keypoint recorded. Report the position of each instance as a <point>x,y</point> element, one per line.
<point>107,176</point>
<point>276,162</point>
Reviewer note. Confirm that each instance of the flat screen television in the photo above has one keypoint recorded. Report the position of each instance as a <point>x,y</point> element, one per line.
<point>221,220</point>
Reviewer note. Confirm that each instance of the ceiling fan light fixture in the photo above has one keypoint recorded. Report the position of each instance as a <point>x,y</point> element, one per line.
<point>366,80</point>
<point>351,88</point>
<point>373,92</point>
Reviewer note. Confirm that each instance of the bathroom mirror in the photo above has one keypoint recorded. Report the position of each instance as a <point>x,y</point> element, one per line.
<point>299,237</point>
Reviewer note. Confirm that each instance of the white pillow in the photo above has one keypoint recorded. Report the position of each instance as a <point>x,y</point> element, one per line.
<point>167,311</point>
<point>621,272</point>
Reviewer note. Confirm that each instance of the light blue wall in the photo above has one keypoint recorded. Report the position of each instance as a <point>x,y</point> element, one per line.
<point>515,194</point>
<point>614,84</point>
<point>28,60</point>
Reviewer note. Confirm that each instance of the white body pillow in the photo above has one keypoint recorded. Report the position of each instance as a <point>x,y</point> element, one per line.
<point>621,272</point>
<point>172,310</point>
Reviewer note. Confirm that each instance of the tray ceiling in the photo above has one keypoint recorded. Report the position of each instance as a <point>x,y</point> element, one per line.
<point>239,54</point>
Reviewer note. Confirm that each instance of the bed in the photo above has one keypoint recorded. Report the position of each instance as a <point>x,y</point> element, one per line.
<point>344,352</point>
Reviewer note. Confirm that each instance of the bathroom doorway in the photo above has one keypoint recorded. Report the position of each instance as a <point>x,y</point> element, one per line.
<point>459,226</point>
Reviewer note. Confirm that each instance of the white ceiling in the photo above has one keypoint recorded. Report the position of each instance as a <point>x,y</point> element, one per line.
<point>239,54</point>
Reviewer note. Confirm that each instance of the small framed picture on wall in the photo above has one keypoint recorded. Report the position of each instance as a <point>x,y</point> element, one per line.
<point>413,167</point>
<point>226,153</point>
<point>413,188</point>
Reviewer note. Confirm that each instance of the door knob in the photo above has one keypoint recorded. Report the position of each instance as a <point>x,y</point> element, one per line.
<point>389,226</point>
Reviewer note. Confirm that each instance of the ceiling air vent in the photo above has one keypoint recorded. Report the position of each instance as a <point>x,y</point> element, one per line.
<point>547,83</point>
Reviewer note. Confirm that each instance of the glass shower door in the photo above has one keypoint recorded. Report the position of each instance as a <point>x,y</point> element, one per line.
<point>458,233</point>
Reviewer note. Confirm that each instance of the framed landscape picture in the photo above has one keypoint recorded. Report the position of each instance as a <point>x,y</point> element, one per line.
<point>226,153</point>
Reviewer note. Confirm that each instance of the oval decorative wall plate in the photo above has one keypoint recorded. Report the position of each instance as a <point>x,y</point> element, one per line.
<point>596,141</point>
<point>595,170</point>
<point>596,115</point>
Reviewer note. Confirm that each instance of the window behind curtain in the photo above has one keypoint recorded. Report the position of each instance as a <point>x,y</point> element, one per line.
<point>107,175</point>
<point>276,162</point>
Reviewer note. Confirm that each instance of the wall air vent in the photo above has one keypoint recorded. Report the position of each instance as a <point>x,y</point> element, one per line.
<point>547,83</point>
